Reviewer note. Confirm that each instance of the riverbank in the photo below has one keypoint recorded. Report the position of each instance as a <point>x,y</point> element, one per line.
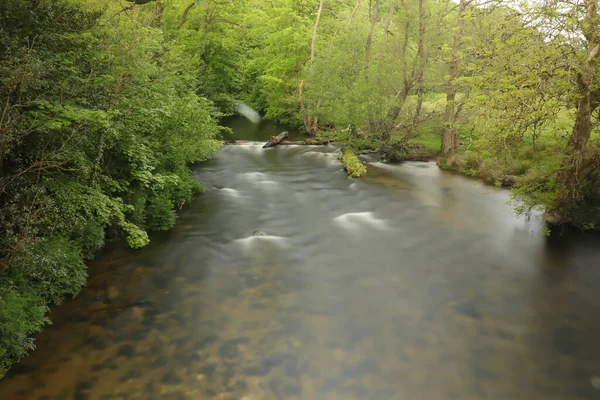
<point>530,173</point>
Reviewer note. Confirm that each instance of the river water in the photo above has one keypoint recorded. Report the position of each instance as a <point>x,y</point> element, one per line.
<point>288,280</point>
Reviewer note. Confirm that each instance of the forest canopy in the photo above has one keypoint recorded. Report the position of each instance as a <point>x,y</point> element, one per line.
<point>105,104</point>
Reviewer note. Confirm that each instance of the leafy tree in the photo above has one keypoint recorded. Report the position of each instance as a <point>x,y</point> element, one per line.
<point>100,118</point>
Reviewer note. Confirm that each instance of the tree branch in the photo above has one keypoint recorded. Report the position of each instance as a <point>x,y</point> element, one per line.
<point>184,16</point>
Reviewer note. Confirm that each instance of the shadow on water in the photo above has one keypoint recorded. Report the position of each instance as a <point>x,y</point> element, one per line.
<point>288,280</point>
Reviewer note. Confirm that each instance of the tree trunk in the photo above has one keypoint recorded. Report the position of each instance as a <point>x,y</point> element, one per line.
<point>311,123</point>
<point>574,161</point>
<point>305,116</point>
<point>407,81</point>
<point>386,27</point>
<point>370,35</point>
<point>314,36</point>
<point>449,132</point>
<point>275,140</point>
<point>184,16</point>
<point>421,68</point>
<point>315,120</point>
<point>355,9</point>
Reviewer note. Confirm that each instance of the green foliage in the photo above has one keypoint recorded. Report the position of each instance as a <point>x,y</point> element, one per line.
<point>135,236</point>
<point>22,314</point>
<point>586,211</point>
<point>352,164</point>
<point>100,118</point>
<point>162,217</point>
<point>537,187</point>
<point>280,40</point>
<point>52,267</point>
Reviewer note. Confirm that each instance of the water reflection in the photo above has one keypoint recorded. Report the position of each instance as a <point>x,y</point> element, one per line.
<point>409,283</point>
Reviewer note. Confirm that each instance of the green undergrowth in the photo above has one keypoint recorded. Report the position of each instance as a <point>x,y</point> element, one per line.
<point>429,136</point>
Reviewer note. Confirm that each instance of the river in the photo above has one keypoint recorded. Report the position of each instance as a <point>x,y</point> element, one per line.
<point>288,280</point>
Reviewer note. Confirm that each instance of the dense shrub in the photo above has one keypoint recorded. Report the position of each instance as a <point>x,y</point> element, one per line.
<point>99,123</point>
<point>22,313</point>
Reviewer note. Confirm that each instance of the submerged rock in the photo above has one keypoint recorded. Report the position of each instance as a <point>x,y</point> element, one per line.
<point>126,351</point>
<point>170,378</point>
<point>112,292</point>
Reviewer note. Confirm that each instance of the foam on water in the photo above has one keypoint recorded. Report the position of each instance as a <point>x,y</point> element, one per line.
<point>329,158</point>
<point>230,192</point>
<point>253,240</point>
<point>269,183</point>
<point>422,168</point>
<point>250,147</point>
<point>415,168</point>
<point>255,176</point>
<point>356,220</point>
<point>383,165</point>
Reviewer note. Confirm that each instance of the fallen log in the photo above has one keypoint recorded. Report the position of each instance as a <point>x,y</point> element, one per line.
<point>307,142</point>
<point>275,140</point>
<point>317,142</point>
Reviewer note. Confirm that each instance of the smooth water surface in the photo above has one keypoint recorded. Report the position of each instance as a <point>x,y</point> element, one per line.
<point>288,280</point>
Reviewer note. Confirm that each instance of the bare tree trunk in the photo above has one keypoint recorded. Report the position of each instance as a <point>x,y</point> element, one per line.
<point>386,25</point>
<point>315,29</point>
<point>388,19</point>
<point>311,123</point>
<point>305,116</point>
<point>407,81</point>
<point>374,18</point>
<point>355,9</point>
<point>574,161</point>
<point>449,132</point>
<point>421,68</point>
